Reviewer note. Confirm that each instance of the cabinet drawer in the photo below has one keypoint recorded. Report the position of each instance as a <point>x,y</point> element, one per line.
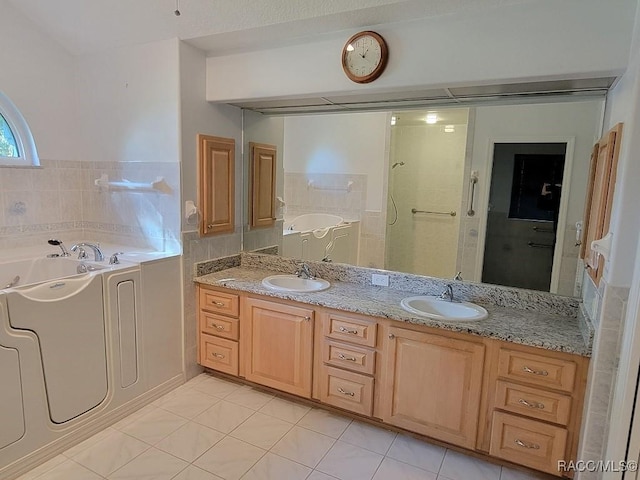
<point>350,329</point>
<point>219,302</point>
<point>533,402</point>
<point>220,326</point>
<point>537,369</point>
<point>347,390</point>
<point>527,442</point>
<point>219,354</point>
<point>348,356</point>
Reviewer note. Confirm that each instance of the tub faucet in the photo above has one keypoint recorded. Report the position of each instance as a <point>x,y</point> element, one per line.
<point>447,294</point>
<point>58,243</point>
<point>303,271</point>
<point>97,253</point>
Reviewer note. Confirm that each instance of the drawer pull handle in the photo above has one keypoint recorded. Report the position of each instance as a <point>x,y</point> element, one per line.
<point>532,446</point>
<point>217,304</point>
<point>342,356</point>
<point>348,330</point>
<point>542,373</point>
<point>217,355</point>
<point>217,327</point>
<point>526,403</point>
<point>344,392</point>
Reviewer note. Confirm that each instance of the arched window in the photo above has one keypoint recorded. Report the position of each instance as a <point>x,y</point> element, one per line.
<point>17,147</point>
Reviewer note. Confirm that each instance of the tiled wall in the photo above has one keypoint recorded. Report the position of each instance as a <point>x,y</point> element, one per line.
<point>606,307</point>
<point>60,200</point>
<point>329,195</point>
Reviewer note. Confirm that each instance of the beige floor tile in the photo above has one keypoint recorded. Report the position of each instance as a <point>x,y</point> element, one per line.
<point>69,470</point>
<point>262,430</point>
<point>348,462</point>
<point>195,473</point>
<point>224,416</point>
<point>368,436</point>
<point>417,453</point>
<point>303,446</point>
<point>188,403</point>
<point>272,467</point>
<point>190,441</point>
<point>249,397</point>
<point>154,426</point>
<point>458,466</point>
<point>324,422</point>
<point>151,465</point>
<point>391,469</point>
<point>216,387</point>
<point>285,410</point>
<point>230,458</point>
<point>108,455</point>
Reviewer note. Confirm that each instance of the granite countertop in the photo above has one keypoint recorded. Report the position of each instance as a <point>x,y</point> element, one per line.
<point>551,332</point>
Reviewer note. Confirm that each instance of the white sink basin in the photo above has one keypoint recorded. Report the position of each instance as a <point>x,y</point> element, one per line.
<point>293,283</point>
<point>439,309</point>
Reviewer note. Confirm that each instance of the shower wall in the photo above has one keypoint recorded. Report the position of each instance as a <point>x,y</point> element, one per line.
<point>430,179</point>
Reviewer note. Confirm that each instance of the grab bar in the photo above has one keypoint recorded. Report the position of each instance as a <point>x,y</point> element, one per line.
<point>311,184</point>
<point>539,245</point>
<point>472,190</point>
<point>415,210</point>
<point>542,230</point>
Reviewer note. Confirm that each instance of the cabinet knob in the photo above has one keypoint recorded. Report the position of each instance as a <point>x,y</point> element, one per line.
<point>529,404</point>
<point>532,446</point>
<point>344,392</point>
<point>307,318</point>
<point>542,373</point>
<point>351,331</point>
<point>392,336</point>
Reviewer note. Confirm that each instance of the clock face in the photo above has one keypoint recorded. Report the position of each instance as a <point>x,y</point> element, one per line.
<point>364,57</point>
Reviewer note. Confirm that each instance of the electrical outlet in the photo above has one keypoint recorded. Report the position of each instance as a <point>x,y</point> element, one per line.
<point>381,280</point>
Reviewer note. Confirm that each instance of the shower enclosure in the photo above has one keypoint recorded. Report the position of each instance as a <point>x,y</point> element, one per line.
<point>426,178</point>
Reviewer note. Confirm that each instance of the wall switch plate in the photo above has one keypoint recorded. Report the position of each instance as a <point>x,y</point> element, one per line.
<point>381,280</point>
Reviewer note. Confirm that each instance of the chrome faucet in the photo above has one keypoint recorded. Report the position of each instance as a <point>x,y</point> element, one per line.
<point>447,294</point>
<point>303,271</point>
<point>58,243</point>
<point>97,253</point>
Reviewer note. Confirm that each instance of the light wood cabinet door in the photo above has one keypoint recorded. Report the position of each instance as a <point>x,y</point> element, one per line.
<point>262,211</point>
<point>599,201</point>
<point>277,344</point>
<point>433,385</point>
<point>216,184</point>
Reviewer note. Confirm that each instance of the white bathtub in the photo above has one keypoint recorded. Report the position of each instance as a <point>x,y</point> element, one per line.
<point>320,236</point>
<point>77,351</point>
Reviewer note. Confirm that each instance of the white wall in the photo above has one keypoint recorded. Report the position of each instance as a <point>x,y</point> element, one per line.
<point>340,144</point>
<point>129,104</point>
<point>38,75</point>
<point>533,40</point>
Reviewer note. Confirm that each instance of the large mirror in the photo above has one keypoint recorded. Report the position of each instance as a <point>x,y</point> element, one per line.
<point>492,193</point>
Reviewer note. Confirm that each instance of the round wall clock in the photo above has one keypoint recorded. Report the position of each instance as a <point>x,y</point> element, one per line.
<point>364,57</point>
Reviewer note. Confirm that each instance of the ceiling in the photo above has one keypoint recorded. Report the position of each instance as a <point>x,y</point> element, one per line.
<point>222,26</point>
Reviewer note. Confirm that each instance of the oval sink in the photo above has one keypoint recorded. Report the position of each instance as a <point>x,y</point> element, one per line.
<point>439,309</point>
<point>293,283</point>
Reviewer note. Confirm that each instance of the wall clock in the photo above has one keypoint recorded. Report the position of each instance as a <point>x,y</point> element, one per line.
<point>364,57</point>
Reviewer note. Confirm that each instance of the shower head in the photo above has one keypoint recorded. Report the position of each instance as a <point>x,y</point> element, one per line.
<point>396,164</point>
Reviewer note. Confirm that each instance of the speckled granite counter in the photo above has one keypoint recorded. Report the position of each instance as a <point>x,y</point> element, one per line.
<point>549,331</point>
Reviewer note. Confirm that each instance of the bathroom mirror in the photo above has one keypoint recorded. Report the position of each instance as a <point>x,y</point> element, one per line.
<point>492,191</point>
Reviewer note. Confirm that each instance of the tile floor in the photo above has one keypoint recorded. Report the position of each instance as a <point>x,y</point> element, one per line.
<point>210,429</point>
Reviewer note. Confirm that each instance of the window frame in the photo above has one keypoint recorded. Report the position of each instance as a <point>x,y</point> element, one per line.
<point>27,152</point>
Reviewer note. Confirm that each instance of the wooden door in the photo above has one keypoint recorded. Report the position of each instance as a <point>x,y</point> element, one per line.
<point>263,185</point>
<point>277,344</point>
<point>602,179</point>
<point>216,184</point>
<point>433,385</point>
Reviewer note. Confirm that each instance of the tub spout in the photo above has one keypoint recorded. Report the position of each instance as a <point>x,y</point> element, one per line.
<point>97,253</point>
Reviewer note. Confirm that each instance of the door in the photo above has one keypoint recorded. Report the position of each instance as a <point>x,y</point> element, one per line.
<point>522,218</point>
<point>433,385</point>
<point>216,173</point>
<point>277,343</point>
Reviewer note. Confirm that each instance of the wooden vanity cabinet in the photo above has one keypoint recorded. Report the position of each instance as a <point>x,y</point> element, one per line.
<point>218,329</point>
<point>277,345</point>
<point>432,385</point>
<point>514,402</point>
<point>535,406</point>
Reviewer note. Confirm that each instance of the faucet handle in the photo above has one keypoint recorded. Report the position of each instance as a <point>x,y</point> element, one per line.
<point>114,260</point>
<point>82,254</point>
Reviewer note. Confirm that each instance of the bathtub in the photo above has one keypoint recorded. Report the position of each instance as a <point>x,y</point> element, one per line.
<point>319,236</point>
<point>77,351</point>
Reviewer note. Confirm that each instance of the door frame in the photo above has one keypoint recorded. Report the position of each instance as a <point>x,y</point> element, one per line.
<point>483,198</point>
